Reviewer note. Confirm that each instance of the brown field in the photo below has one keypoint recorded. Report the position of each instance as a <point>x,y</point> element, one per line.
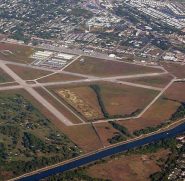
<point>4,77</point>
<point>160,111</point>
<point>58,105</point>
<point>28,73</point>
<point>15,52</point>
<point>176,69</point>
<point>156,81</point>
<point>86,97</point>
<point>59,77</point>
<point>129,168</point>
<point>157,114</point>
<point>124,100</point>
<point>84,136</point>
<point>119,100</point>
<point>104,68</point>
<point>105,131</point>
<point>176,92</point>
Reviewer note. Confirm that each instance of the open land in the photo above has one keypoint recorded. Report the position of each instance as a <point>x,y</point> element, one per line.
<point>129,168</point>
<point>155,81</point>
<point>89,101</point>
<point>59,77</point>
<point>102,100</point>
<point>28,137</point>
<point>105,68</point>
<point>161,110</point>
<point>28,73</point>
<point>175,69</point>
<point>15,53</point>
<point>4,77</point>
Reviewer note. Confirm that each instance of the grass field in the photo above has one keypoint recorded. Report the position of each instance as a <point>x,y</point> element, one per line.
<point>59,77</point>
<point>125,100</point>
<point>58,105</point>
<point>129,168</point>
<point>28,140</point>
<point>105,131</point>
<point>107,100</point>
<point>105,68</point>
<point>175,69</point>
<point>28,73</point>
<point>16,53</point>
<point>156,81</point>
<point>84,100</point>
<point>4,77</point>
<point>176,92</point>
<point>84,136</point>
<point>160,111</point>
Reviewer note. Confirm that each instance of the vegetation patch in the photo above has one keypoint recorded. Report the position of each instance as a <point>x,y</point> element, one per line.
<point>28,140</point>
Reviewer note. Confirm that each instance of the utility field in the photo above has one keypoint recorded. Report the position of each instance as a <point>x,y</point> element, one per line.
<point>156,81</point>
<point>16,53</point>
<point>103,100</point>
<point>105,68</point>
<point>27,73</point>
<point>59,77</point>
<point>28,140</point>
<point>4,77</point>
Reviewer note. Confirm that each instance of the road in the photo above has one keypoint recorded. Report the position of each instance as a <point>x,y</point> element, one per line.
<point>100,154</point>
